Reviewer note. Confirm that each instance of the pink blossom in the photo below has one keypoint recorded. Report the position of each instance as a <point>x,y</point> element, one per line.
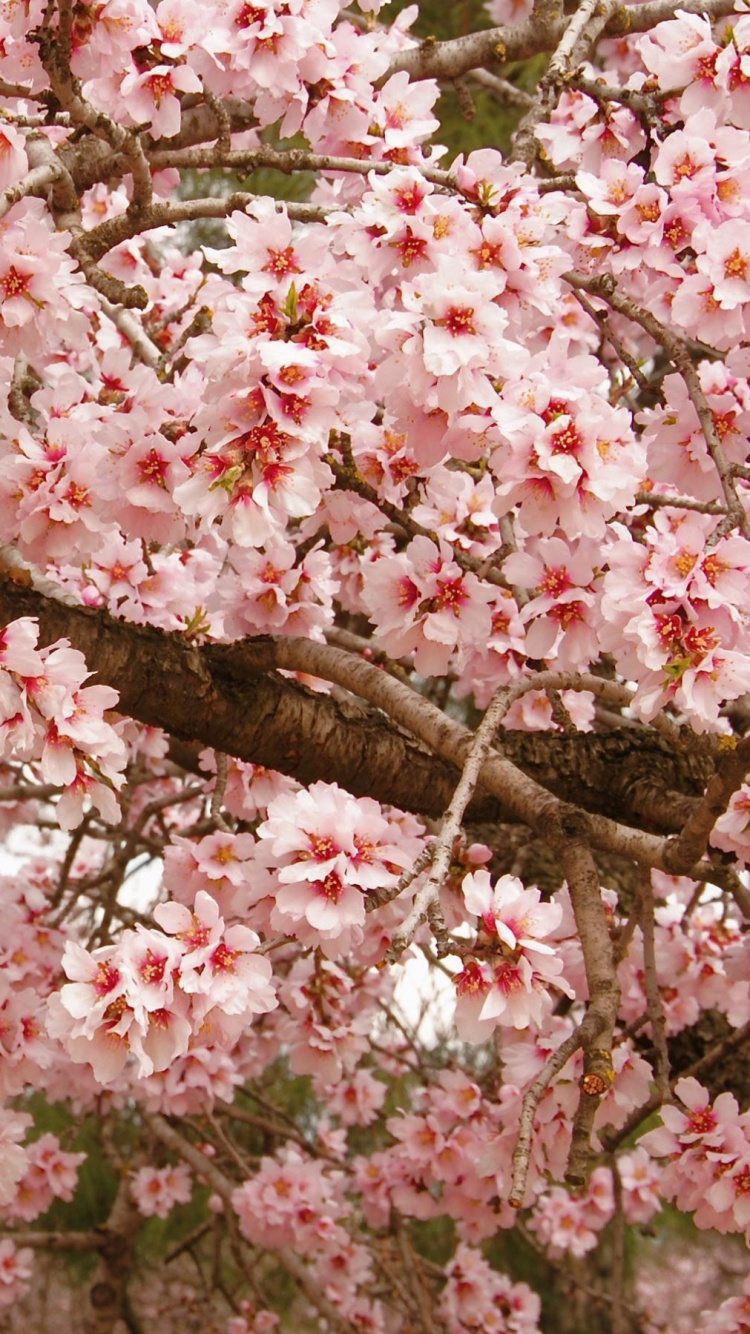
<point>156,1190</point>
<point>15,1268</point>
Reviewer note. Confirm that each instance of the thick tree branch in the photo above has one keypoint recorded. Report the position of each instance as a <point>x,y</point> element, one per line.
<point>231,697</point>
<point>497,46</point>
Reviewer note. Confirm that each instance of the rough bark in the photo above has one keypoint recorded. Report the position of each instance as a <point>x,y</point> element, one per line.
<point>212,697</point>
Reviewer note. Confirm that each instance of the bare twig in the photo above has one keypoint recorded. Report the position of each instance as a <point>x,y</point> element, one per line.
<point>651,985</point>
<point>531,1099</point>
<point>443,845</point>
<point>617,1325</point>
<point>217,796</point>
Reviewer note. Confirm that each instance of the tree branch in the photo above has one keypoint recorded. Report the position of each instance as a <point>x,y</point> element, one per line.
<point>517,41</point>
<point>230,697</point>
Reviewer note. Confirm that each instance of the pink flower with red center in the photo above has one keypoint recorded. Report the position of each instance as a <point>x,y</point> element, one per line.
<point>563,1224</point>
<point>52,1174</point>
<point>561,619</point>
<point>728,1198</point>
<point>358,1099</point>
<point>682,54</point>
<point>153,96</point>
<point>325,830</point>
<point>15,1268</point>
<point>731,833</point>
<point>640,1177</point>
<point>686,159</point>
<point>156,1190</point>
<point>700,1123</point>
<point>104,1044</point>
<point>726,262</point>
<point>14,163</point>
<point>473,986</point>
<point>326,848</point>
<point>463,329</point>
<point>423,602</point>
<point>18,651</point>
<point>514,983</point>
<point>198,931</point>
<point>327,904</point>
<point>219,968</point>
<point>266,249</point>
<point>150,961</point>
<point>96,982</point>
<point>13,1157</point>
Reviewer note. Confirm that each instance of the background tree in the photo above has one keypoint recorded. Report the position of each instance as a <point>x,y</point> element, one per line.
<point>374,496</point>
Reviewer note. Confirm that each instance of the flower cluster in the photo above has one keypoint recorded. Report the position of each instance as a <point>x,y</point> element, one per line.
<point>157,1189</point>
<point>479,421</point>
<point>513,986</point>
<point>47,713</point>
<point>708,1151</point>
<point>145,996</point>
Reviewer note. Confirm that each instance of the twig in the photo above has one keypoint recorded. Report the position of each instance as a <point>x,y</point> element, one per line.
<point>690,845</point>
<point>680,503</point>
<point>581,32</point>
<point>443,845</point>
<point>133,332</point>
<point>217,796</point>
<point>531,1099</point>
<point>581,874</point>
<point>617,1325</point>
<point>413,1271</point>
<point>34,183</point>
<point>24,383</point>
<point>608,334</point>
<point>651,985</point>
<point>673,345</point>
<point>58,1241</point>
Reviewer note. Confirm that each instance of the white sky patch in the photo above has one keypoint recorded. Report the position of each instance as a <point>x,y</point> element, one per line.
<point>425,998</point>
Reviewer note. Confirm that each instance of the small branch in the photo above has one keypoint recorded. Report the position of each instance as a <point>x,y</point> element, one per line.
<point>24,383</point>
<point>584,27</point>
<point>691,843</point>
<point>133,332</point>
<point>443,846</point>
<point>651,984</point>
<point>141,174</point>
<point>531,1099</point>
<point>224,141</point>
<point>423,1300</point>
<point>200,1164</point>
<point>607,333</point>
<point>581,874</point>
<point>680,503</point>
<point>580,34</point>
<point>35,183</point>
<point>676,349</point>
<point>502,89</point>
<point>348,478</point>
<point>58,1241</point>
<point>289,161</point>
<point>220,787</point>
<point>296,1267</point>
<point>618,1325</point>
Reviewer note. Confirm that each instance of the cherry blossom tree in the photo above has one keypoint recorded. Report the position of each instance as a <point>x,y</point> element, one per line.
<point>375,523</point>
